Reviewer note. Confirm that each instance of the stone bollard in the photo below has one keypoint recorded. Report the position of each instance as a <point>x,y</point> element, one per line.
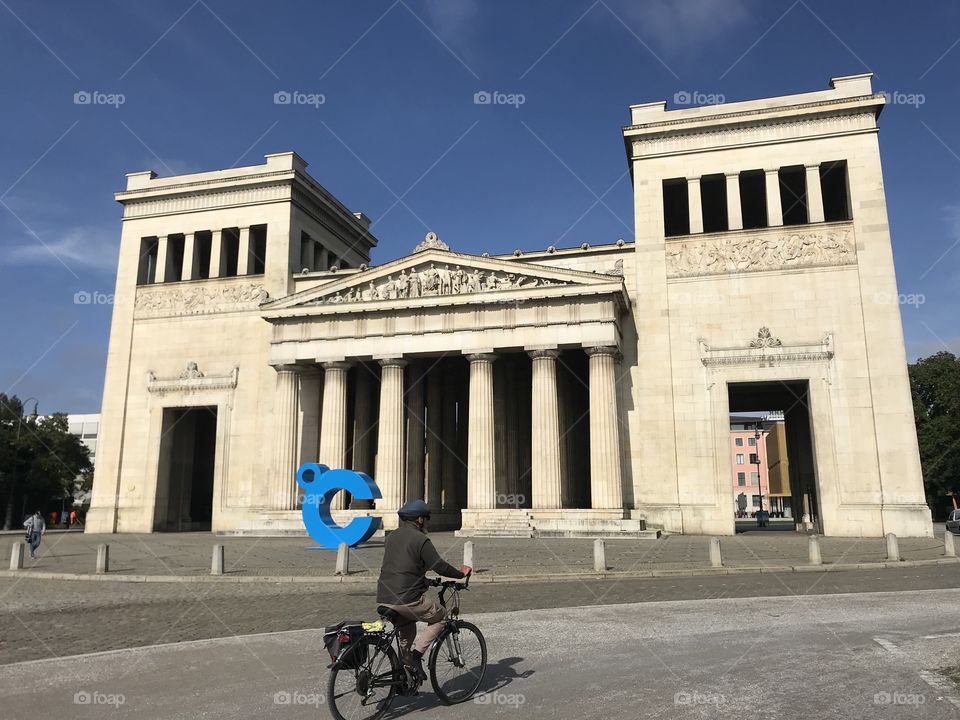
<point>599,556</point>
<point>948,548</point>
<point>815,557</point>
<point>216,563</point>
<point>16,556</point>
<point>343,559</point>
<point>103,559</point>
<point>468,558</point>
<point>716,560</point>
<point>893,549</point>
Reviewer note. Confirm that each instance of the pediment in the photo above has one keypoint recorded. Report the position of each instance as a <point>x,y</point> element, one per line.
<point>435,274</point>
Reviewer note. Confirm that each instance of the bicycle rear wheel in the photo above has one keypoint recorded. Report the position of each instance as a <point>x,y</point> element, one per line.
<point>365,692</point>
<point>457,662</point>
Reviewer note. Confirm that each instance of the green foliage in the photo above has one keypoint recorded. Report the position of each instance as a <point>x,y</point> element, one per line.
<point>40,461</point>
<point>935,384</point>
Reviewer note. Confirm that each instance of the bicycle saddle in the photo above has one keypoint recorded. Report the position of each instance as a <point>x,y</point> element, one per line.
<point>388,613</point>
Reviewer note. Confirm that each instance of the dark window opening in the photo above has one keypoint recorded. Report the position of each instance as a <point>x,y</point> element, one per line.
<point>147,269</point>
<point>793,195</point>
<point>174,270</point>
<point>753,199</point>
<point>258,249</point>
<point>676,207</point>
<point>835,190</point>
<point>202,243</point>
<point>713,203</point>
<point>230,251</point>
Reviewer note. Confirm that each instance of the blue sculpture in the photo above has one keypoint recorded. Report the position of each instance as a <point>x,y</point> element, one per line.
<point>320,484</point>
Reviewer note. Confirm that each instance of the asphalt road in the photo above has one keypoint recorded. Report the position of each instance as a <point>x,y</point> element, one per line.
<point>876,655</point>
<point>43,619</point>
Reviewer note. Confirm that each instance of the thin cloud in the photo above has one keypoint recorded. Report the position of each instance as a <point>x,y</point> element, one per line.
<point>81,247</point>
<point>452,19</point>
<point>684,24</point>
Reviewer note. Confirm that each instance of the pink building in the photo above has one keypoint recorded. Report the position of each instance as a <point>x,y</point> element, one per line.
<point>748,457</point>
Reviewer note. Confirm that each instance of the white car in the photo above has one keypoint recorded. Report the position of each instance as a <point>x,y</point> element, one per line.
<point>953,522</point>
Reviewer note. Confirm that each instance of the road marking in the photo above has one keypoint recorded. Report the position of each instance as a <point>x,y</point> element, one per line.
<point>940,683</point>
<point>888,646</point>
<point>941,635</point>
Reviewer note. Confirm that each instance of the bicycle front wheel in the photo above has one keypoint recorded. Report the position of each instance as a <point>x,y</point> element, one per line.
<point>457,662</point>
<point>365,691</point>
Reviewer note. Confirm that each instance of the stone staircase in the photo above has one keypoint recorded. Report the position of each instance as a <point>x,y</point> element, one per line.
<point>512,525</point>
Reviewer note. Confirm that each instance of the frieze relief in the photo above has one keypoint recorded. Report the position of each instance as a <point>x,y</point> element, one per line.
<point>434,279</point>
<point>756,253</point>
<point>199,299</point>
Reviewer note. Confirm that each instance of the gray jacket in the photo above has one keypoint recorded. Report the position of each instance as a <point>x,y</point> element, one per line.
<point>408,555</point>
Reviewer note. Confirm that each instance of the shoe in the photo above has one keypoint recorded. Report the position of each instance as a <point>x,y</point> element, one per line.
<point>413,660</point>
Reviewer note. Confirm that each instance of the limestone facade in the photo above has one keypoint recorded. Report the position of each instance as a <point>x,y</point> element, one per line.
<point>582,390</point>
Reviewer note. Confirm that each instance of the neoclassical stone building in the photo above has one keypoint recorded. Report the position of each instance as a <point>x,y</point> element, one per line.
<point>581,390</point>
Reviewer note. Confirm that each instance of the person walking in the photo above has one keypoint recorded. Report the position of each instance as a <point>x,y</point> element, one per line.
<point>35,527</point>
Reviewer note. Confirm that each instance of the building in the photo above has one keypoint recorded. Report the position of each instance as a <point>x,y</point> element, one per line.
<point>581,390</point>
<point>748,458</point>
<point>87,428</point>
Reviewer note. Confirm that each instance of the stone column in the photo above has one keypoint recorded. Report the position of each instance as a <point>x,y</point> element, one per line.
<point>189,257</point>
<point>307,254</point>
<point>451,461</point>
<point>324,259</point>
<point>545,431</point>
<point>814,194</point>
<point>163,251</point>
<point>481,453</point>
<point>734,211</point>
<point>390,441</point>
<point>362,429</point>
<point>694,205</point>
<point>774,209</point>
<point>283,466</point>
<point>415,434</point>
<point>605,476</point>
<point>511,429</point>
<point>216,250</point>
<point>333,420</point>
<point>434,439</point>
<point>243,252</point>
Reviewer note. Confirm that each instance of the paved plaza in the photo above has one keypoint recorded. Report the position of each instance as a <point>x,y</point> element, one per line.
<point>870,655</point>
<point>189,555</point>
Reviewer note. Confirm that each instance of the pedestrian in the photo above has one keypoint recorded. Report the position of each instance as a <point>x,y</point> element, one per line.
<point>35,527</point>
<point>53,517</point>
<point>73,518</point>
<point>65,519</point>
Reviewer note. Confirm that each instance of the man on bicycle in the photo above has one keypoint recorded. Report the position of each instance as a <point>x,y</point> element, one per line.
<point>402,587</point>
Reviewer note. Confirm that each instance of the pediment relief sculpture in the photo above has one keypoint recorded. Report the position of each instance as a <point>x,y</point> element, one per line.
<point>431,279</point>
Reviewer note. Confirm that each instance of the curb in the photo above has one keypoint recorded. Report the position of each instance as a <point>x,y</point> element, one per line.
<point>488,579</point>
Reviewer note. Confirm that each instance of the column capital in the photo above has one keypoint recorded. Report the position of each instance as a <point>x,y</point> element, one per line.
<point>287,367</point>
<point>336,365</point>
<point>552,353</point>
<point>481,357</point>
<point>732,174</point>
<point>691,180</point>
<point>393,362</point>
<point>811,166</point>
<point>772,171</point>
<point>611,350</point>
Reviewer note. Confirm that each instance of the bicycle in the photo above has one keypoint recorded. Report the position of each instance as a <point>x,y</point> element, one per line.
<point>371,664</point>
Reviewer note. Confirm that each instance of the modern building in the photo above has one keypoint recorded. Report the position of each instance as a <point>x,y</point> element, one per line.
<point>87,428</point>
<point>748,458</point>
<point>578,390</point>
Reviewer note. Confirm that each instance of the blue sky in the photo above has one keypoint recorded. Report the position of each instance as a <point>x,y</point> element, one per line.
<point>398,121</point>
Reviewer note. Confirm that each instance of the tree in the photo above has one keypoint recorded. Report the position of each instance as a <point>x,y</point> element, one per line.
<point>935,384</point>
<point>40,461</point>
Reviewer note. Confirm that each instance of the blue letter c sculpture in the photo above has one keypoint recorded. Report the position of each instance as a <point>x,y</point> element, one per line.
<point>320,484</point>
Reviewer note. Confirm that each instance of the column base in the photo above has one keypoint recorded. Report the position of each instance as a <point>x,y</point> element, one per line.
<point>572,523</point>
